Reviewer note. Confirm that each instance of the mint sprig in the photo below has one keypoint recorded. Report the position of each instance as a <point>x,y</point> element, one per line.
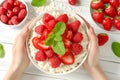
<point>38,3</point>
<point>116,48</point>
<point>2,52</point>
<point>55,39</point>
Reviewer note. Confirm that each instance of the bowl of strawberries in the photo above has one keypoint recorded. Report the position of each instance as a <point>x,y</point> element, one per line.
<point>58,42</point>
<point>13,13</point>
<point>106,14</point>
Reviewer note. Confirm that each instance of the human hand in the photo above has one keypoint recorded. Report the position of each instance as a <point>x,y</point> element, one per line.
<point>92,60</point>
<point>20,58</point>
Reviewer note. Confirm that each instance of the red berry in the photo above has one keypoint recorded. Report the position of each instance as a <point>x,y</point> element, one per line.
<point>44,35</point>
<point>117,23</point>
<point>22,13</point>
<point>72,2</point>
<point>54,62</point>
<point>16,10</point>
<point>4,19</point>
<point>15,20</point>
<point>114,3</point>
<point>98,16</point>
<point>2,11</point>
<point>40,56</point>
<point>17,3</point>
<point>102,38</point>
<point>76,48</point>
<point>10,14</point>
<point>67,58</point>
<point>67,43</point>
<point>78,37</point>
<point>7,5</point>
<point>51,24</point>
<point>69,35</point>
<point>97,4</point>
<point>22,6</point>
<point>11,2</point>
<point>39,29</point>
<point>50,53</point>
<point>62,18</point>
<point>75,25</point>
<point>10,22</point>
<point>47,17</point>
<point>107,24</point>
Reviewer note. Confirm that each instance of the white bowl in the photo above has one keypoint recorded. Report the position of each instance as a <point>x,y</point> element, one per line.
<point>113,29</point>
<point>84,56</point>
<point>22,22</point>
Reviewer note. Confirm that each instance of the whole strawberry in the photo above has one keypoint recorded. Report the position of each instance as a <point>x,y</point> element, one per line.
<point>98,16</point>
<point>110,10</point>
<point>96,4</point>
<point>118,11</point>
<point>114,3</point>
<point>107,23</point>
<point>117,22</point>
<point>102,38</point>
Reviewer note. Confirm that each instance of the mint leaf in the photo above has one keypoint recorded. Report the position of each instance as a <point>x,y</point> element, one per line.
<point>58,47</point>
<point>116,48</point>
<point>58,38</point>
<point>59,28</point>
<point>2,52</point>
<point>49,40</point>
<point>38,3</point>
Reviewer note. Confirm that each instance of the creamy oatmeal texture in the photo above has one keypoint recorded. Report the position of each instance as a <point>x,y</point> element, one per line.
<point>44,66</point>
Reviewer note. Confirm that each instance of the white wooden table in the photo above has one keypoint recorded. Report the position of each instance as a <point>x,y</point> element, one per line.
<point>109,62</point>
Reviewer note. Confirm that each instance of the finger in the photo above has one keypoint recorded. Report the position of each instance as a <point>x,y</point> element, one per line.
<point>21,38</point>
<point>88,25</point>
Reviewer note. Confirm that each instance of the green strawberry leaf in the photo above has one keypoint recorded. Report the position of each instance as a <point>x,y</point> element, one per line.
<point>58,38</point>
<point>50,39</point>
<point>58,47</point>
<point>2,52</point>
<point>116,48</point>
<point>59,28</point>
<point>38,3</point>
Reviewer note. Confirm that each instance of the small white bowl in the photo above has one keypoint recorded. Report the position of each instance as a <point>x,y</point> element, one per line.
<point>113,29</point>
<point>35,62</point>
<point>22,22</point>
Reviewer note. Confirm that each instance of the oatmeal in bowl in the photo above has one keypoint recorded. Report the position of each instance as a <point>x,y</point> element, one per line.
<point>58,42</point>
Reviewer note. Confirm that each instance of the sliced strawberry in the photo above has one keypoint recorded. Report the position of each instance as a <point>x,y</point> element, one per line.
<point>39,44</point>
<point>67,58</point>
<point>67,43</point>
<point>102,38</point>
<point>39,29</point>
<point>76,48</point>
<point>74,25</point>
<point>42,46</point>
<point>50,53</point>
<point>44,35</point>
<point>40,56</point>
<point>78,37</point>
<point>62,18</point>
<point>51,24</point>
<point>69,34</point>
<point>47,17</point>
<point>54,62</point>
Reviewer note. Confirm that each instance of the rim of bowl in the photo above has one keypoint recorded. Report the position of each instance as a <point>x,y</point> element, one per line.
<point>33,61</point>
<point>18,25</point>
